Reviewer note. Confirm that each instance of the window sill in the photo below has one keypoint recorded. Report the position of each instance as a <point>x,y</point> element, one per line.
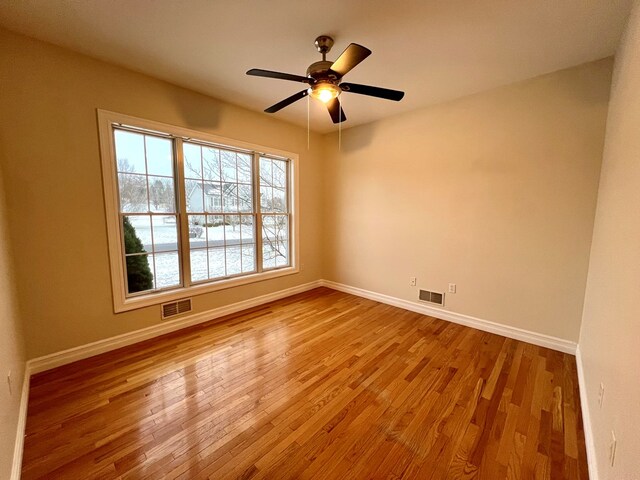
<point>151,299</point>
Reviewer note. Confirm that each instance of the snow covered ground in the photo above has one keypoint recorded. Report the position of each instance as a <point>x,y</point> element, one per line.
<point>206,263</point>
<point>166,233</point>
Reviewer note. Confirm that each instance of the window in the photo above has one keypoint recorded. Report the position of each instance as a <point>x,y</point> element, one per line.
<point>188,212</point>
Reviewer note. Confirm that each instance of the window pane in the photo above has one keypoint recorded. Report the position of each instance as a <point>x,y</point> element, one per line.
<point>159,156</point>
<point>133,192</point>
<point>137,233</point>
<point>194,195</point>
<point>139,273</point>
<point>129,152</point>
<point>245,198</point>
<point>279,168</point>
<point>268,256</point>
<point>215,231</point>
<point>248,258</point>
<point>275,240</point>
<point>273,186</point>
<point>247,229</point>
<point>167,270</point>
<point>216,263</point>
<point>265,171</point>
<point>282,226</point>
<point>161,194</point>
<point>192,161</point>
<point>212,197</point>
<point>165,233</point>
<point>234,255</point>
<point>232,229</point>
<point>244,168</point>
<point>268,227</point>
<point>279,200</point>
<point>230,197</point>
<point>282,258</point>
<point>282,240</point>
<point>199,266</point>
<point>228,162</point>
<point>266,198</point>
<point>197,231</point>
<point>211,163</point>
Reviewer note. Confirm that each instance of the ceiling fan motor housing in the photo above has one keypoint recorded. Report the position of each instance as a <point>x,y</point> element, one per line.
<point>320,71</point>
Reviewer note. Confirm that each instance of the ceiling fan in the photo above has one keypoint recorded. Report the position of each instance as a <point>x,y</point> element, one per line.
<point>325,79</point>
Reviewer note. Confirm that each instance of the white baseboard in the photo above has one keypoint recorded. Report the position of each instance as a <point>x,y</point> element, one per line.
<point>586,419</point>
<point>16,468</point>
<point>539,339</point>
<point>64,357</point>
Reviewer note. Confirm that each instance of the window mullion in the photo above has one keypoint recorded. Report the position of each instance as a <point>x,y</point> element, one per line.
<point>153,242</point>
<point>183,218</point>
<point>257,211</point>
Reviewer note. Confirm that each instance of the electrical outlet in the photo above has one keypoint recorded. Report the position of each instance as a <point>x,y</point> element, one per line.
<point>9,382</point>
<point>452,288</point>
<point>412,281</point>
<point>612,448</point>
<point>601,395</point>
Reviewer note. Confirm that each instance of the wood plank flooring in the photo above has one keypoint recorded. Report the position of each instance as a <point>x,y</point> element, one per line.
<point>320,385</point>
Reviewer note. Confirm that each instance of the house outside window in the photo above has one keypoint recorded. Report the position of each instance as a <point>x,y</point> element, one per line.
<point>188,212</point>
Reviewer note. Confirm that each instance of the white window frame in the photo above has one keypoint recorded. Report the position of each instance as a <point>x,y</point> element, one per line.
<point>121,301</point>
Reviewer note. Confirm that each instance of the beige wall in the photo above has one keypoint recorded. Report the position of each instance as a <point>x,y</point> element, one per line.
<point>12,356</point>
<point>494,192</point>
<point>54,186</point>
<point>610,335</point>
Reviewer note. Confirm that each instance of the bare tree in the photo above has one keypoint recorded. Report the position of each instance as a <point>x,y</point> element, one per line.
<point>133,188</point>
<point>273,199</point>
<point>133,191</point>
<point>234,172</point>
<point>161,195</point>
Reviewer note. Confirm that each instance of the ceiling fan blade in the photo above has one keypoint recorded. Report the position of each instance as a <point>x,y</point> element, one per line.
<point>256,72</point>
<point>287,101</point>
<point>348,59</point>
<point>372,91</point>
<point>335,110</point>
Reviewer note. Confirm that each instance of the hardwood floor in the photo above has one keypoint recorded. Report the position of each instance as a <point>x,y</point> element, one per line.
<point>320,385</point>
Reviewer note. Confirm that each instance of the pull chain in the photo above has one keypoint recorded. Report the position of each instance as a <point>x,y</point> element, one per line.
<point>308,135</point>
<point>340,129</point>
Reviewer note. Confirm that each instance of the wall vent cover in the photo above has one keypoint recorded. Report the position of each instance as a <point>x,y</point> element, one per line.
<point>176,308</point>
<point>432,297</point>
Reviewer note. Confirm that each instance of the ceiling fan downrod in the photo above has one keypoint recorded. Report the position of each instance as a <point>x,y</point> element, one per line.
<point>323,44</point>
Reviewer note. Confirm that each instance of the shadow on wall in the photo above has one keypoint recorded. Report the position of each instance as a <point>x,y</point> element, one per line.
<point>352,139</point>
<point>189,107</point>
<point>587,90</point>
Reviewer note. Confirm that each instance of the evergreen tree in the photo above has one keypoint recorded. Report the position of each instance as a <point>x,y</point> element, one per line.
<point>139,274</point>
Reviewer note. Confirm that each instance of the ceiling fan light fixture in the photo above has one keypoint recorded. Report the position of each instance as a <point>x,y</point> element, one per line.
<point>325,91</point>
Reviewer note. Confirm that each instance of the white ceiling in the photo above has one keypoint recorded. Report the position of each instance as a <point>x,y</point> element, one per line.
<point>434,50</point>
